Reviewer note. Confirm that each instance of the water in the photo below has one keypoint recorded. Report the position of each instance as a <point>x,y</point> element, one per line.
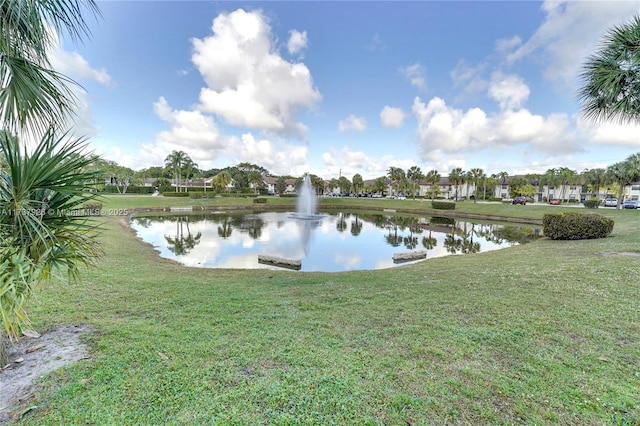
<point>335,242</point>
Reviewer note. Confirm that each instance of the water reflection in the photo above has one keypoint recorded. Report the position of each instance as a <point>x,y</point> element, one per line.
<point>336,242</point>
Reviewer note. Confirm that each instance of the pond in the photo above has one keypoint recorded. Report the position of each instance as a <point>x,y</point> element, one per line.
<point>332,242</point>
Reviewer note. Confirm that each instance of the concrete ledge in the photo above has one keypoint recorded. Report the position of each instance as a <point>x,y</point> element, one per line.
<point>409,256</point>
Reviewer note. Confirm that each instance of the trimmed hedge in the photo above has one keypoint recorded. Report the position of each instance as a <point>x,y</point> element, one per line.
<point>591,204</point>
<point>201,194</point>
<point>576,226</point>
<point>443,205</point>
<point>259,200</point>
<point>175,194</point>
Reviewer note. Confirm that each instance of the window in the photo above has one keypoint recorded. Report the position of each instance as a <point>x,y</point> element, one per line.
<point>635,187</point>
<point>505,186</point>
<point>572,187</point>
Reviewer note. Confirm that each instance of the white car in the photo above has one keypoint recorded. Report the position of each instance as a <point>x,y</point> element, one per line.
<point>610,202</point>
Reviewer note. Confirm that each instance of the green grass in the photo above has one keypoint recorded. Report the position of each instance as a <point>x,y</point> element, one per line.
<point>543,333</point>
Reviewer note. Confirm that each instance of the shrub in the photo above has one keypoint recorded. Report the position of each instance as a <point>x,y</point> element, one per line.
<point>175,194</point>
<point>201,194</point>
<point>443,205</point>
<point>259,200</point>
<point>591,204</point>
<point>440,220</point>
<point>576,226</point>
<point>288,195</point>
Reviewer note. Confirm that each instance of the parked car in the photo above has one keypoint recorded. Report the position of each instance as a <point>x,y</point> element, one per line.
<point>519,200</point>
<point>630,204</point>
<point>610,202</point>
<point>554,201</point>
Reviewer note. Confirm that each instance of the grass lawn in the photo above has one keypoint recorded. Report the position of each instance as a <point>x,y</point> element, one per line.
<point>543,333</point>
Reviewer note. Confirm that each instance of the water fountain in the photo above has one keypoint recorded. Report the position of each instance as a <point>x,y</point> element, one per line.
<point>307,201</point>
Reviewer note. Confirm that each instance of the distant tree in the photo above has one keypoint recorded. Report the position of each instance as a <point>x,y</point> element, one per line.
<point>221,180</point>
<point>380,185</point>
<point>395,175</point>
<point>624,173</point>
<point>595,179</point>
<point>476,174</point>
<point>255,179</point>
<point>611,77</point>
<point>281,185</point>
<point>358,182</point>
<point>456,177</point>
<point>345,185</point>
<point>432,177</point>
<point>174,162</point>
<point>414,174</point>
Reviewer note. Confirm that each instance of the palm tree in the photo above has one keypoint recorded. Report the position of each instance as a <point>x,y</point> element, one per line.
<point>175,162</point>
<point>455,177</point>
<point>43,227</point>
<point>596,179</point>
<point>611,77</point>
<point>33,95</point>
<point>624,173</point>
<point>395,175</point>
<point>432,177</point>
<point>476,174</point>
<point>255,179</point>
<point>357,182</point>
<point>36,100</point>
<point>414,174</point>
<point>222,180</point>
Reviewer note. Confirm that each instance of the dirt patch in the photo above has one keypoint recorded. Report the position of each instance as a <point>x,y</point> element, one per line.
<point>32,358</point>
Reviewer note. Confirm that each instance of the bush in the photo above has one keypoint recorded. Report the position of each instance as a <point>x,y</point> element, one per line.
<point>201,194</point>
<point>175,194</point>
<point>591,204</point>
<point>288,195</point>
<point>443,205</point>
<point>439,220</point>
<point>576,226</point>
<point>259,200</point>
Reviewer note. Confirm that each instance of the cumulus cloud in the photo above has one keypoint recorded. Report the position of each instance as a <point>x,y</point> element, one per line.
<point>570,32</point>
<point>392,117</point>
<point>415,74</point>
<point>200,136</point>
<point>347,162</point>
<point>358,124</point>
<point>297,41</point>
<point>509,90</point>
<point>452,130</point>
<point>248,83</point>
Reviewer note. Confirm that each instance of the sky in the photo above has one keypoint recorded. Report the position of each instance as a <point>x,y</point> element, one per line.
<point>339,88</point>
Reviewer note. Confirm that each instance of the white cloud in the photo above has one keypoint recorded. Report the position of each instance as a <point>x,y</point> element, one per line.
<point>358,124</point>
<point>509,90</point>
<point>375,44</point>
<point>508,44</point>
<point>297,41</point>
<point>248,83</point>
<point>198,135</point>
<point>392,117</point>
<point>452,130</point>
<point>570,32</point>
<point>415,74</point>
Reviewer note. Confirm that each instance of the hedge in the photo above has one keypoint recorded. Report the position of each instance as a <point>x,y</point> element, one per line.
<point>591,204</point>
<point>576,226</point>
<point>443,205</point>
<point>175,194</point>
<point>259,200</point>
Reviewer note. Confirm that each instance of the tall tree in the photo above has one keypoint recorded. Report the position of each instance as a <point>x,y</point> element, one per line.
<point>476,174</point>
<point>34,96</point>
<point>624,173</point>
<point>455,177</point>
<point>611,77</point>
<point>414,174</point>
<point>595,179</point>
<point>432,177</point>
<point>357,181</point>
<point>175,162</point>
<point>395,175</point>
<point>36,100</point>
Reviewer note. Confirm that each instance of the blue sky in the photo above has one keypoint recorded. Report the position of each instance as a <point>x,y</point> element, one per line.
<point>339,88</point>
